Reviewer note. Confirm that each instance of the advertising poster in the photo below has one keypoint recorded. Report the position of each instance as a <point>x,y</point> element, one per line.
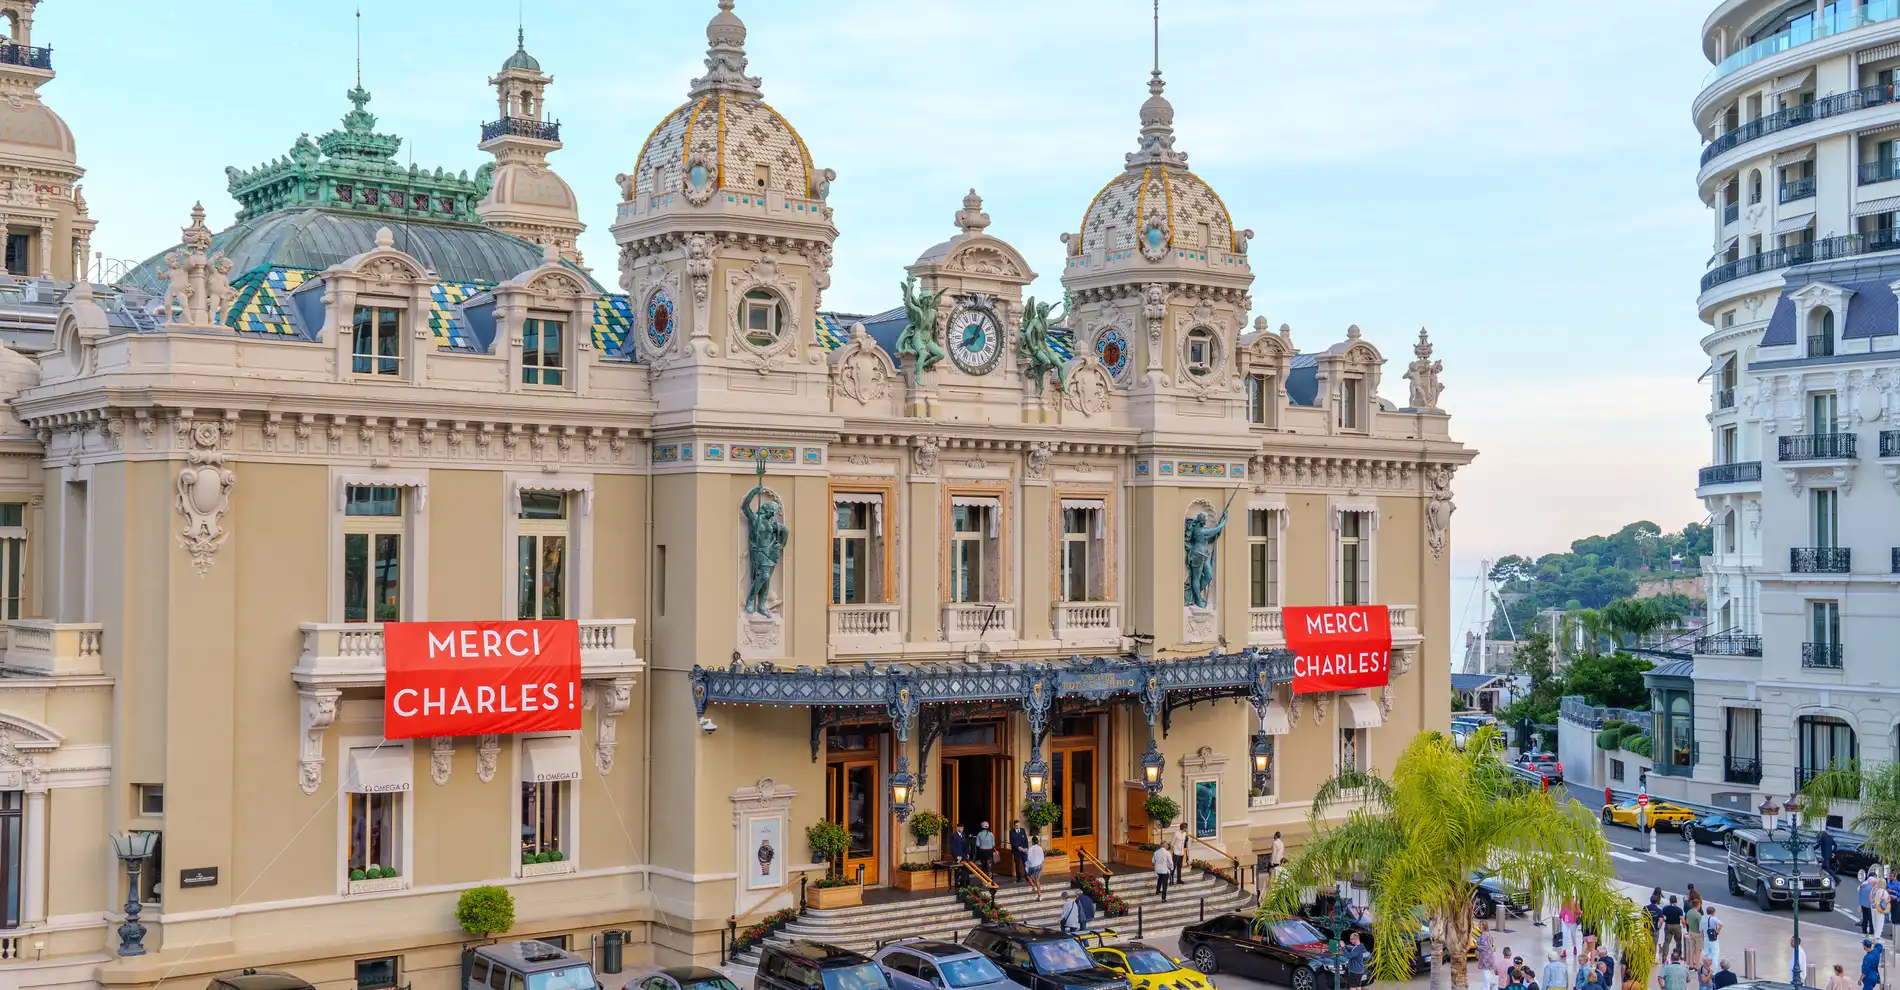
<point>765,859</point>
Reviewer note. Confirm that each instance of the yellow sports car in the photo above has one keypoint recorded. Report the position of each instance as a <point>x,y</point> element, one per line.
<point>1662,815</point>
<point>1148,968</point>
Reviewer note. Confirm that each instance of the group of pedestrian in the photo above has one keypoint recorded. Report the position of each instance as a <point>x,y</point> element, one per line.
<point>1025,851</point>
<point>1170,856</point>
<point>1870,960</point>
<point>1877,891</point>
<point>1686,926</point>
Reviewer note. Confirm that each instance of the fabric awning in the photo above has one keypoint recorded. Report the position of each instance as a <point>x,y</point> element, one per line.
<point>990,502</point>
<point>550,759</point>
<point>1716,366</point>
<point>1796,156</point>
<point>1800,221</point>
<point>1274,720</point>
<point>1093,505</point>
<point>872,499</point>
<point>386,770</point>
<point>1792,81</point>
<point>1361,711</point>
<point>1888,205</point>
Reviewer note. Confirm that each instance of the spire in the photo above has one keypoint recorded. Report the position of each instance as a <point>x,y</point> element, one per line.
<point>725,58</point>
<point>359,53</point>
<point>1156,146</point>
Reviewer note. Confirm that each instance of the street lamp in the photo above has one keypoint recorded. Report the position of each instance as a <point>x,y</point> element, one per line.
<point>901,784</point>
<point>1151,764</point>
<point>1036,777</point>
<point>1262,758</point>
<point>1797,844</point>
<point>133,849</point>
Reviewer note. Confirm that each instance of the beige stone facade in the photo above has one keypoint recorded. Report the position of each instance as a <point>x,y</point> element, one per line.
<point>213,524</point>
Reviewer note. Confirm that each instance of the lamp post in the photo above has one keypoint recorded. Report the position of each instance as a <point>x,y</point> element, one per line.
<point>132,848</point>
<point>1151,764</point>
<point>1796,844</point>
<point>901,785</point>
<point>1035,777</point>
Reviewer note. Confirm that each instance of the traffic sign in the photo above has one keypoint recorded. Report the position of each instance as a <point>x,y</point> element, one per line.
<point>1642,800</point>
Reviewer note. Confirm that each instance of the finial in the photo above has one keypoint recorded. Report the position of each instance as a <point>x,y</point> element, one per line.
<point>1352,332</point>
<point>550,253</point>
<point>725,57</point>
<point>1157,39</point>
<point>971,219</point>
<point>1157,116</point>
<point>359,48</point>
<point>385,239</point>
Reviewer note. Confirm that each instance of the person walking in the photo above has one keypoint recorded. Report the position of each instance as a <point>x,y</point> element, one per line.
<point>1177,846</point>
<point>1556,974</point>
<point>1797,963</point>
<point>985,848</point>
<point>1070,921</point>
<point>1277,857</point>
<point>1674,976</point>
<point>1164,868</point>
<point>1839,980</point>
<point>1870,962</point>
<point>1356,958</point>
<point>1500,969</point>
<point>1032,865</point>
<point>1654,910</point>
<point>1487,956</point>
<point>1824,846</point>
<point>1864,895</point>
<point>1019,851</point>
<point>1692,933</point>
<point>1711,935</point>
<point>1672,927</point>
<point>1878,906</point>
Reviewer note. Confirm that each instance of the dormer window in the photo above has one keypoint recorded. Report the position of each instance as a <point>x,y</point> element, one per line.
<point>1200,352</point>
<point>376,341</point>
<point>542,360</point>
<point>763,174</point>
<point>1351,393</point>
<point>763,318</point>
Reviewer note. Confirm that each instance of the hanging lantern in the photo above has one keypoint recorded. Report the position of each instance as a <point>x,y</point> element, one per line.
<point>1151,763</point>
<point>1262,758</point>
<point>1035,777</point>
<point>901,785</point>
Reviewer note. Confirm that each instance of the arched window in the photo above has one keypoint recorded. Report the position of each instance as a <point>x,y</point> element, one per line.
<point>1821,332</point>
<point>1754,187</point>
<point>1728,531</point>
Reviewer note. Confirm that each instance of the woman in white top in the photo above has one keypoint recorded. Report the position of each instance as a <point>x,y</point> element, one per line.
<point>1032,864</point>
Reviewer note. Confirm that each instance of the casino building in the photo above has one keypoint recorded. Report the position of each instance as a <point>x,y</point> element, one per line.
<point>965,554</point>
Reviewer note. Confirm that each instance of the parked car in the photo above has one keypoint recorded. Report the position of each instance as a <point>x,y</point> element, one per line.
<point>1320,911</point>
<point>1291,952</point>
<point>1493,895</point>
<point>677,978</point>
<point>1148,968</point>
<point>1042,958</point>
<point>529,964</point>
<point>1851,854</point>
<point>936,964</point>
<point>1761,866</point>
<point>258,979</point>
<point>1712,829</point>
<point>807,965</point>
<point>1663,816</point>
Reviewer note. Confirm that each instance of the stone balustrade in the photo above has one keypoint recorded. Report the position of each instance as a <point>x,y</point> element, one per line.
<point>350,654</point>
<point>53,649</point>
<point>964,621</point>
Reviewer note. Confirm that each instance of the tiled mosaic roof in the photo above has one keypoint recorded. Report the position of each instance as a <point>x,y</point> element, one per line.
<point>262,300</point>
<point>613,322</point>
<point>833,331</point>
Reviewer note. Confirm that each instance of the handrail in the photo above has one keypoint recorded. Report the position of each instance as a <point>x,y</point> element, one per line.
<point>762,906</point>
<point>1195,838</point>
<point>1088,858</point>
<point>980,875</point>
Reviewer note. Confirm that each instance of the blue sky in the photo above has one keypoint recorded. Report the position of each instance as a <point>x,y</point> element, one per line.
<point>1518,177</point>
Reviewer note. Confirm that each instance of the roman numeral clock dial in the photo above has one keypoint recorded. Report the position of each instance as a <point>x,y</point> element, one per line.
<point>976,340</point>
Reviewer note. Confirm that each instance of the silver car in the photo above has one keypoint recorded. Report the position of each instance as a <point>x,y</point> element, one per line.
<point>933,964</point>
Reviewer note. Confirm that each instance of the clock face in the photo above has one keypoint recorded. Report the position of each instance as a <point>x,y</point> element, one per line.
<point>976,342</point>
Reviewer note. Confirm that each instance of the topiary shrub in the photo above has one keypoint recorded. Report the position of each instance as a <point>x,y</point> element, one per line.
<point>1640,745</point>
<point>829,842</point>
<point>1161,810</point>
<point>357,876</point>
<point>485,912</point>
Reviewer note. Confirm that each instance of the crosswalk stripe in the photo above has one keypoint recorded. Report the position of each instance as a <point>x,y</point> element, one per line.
<point>1625,857</point>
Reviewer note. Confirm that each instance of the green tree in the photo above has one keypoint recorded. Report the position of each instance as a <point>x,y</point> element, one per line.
<point>1612,679</point>
<point>1419,841</point>
<point>1535,660</point>
<point>1877,790</point>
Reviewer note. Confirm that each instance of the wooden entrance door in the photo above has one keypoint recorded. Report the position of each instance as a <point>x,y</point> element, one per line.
<point>1073,773</point>
<point>854,799</point>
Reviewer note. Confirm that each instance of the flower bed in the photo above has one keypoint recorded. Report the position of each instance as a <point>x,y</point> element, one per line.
<point>1110,905</point>
<point>1226,873</point>
<point>979,901</point>
<point>766,926</point>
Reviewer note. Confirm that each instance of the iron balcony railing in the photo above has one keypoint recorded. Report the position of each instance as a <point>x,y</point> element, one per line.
<point>1740,472</point>
<point>32,58</point>
<point>540,130</point>
<point>1795,116</point>
<point>1821,656</point>
<point>1844,246</point>
<point>1879,170</point>
<point>1890,443</point>
<point>1729,645</point>
<point>1725,398</point>
<point>1896,560</point>
<point>1794,189</point>
<point>1820,560</point>
<point>1818,447</point>
<point>1731,213</point>
<point>1741,770</point>
<point>1820,345</point>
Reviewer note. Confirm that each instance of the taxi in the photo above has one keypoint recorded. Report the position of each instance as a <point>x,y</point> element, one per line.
<point>1148,968</point>
<point>1662,815</point>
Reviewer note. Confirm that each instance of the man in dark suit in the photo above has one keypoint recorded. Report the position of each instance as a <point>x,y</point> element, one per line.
<point>1019,850</point>
<point>959,852</point>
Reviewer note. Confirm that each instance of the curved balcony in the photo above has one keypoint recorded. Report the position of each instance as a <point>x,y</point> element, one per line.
<point>1875,12</point>
<point>1737,473</point>
<point>1827,249</point>
<point>1795,116</point>
<point>27,55</point>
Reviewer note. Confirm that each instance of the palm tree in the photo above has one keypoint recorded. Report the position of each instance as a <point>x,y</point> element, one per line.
<point>1420,840</point>
<point>1596,626</point>
<point>1877,790</point>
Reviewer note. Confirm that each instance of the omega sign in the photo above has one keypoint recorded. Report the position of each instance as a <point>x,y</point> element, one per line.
<point>478,678</point>
<point>1339,647</point>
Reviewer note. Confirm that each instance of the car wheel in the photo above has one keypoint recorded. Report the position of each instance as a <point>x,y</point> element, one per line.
<point>1761,897</point>
<point>1607,820</point>
<point>1204,960</point>
<point>1827,905</point>
<point>1303,978</point>
<point>1484,907</point>
<point>1733,887</point>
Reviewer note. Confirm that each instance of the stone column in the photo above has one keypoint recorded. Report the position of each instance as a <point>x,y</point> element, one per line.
<point>34,903</point>
<point>46,249</point>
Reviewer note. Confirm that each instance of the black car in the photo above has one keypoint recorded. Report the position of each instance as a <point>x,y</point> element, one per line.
<point>1291,952</point>
<point>1761,866</point>
<point>1851,854</point>
<point>1492,895</point>
<point>806,965</point>
<point>1042,958</point>
<point>1319,913</point>
<point>1712,829</point>
<point>678,978</point>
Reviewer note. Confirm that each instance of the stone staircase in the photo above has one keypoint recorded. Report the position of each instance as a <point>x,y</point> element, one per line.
<point>945,916</point>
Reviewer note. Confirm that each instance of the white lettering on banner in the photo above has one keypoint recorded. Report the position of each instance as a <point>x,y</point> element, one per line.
<point>444,645</point>
<point>1339,664</point>
<point>1335,623</point>
<point>397,702</point>
<point>491,643</point>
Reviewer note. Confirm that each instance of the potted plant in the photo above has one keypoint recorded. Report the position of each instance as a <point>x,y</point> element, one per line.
<point>923,826</point>
<point>1162,811</point>
<point>485,912</point>
<point>829,842</point>
<point>1039,815</point>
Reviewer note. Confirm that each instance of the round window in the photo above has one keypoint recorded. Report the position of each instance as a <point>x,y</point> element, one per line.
<point>1200,351</point>
<point>762,318</point>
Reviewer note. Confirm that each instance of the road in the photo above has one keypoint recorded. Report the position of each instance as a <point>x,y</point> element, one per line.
<point>1669,869</point>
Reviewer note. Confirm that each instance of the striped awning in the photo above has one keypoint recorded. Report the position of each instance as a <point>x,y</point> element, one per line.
<point>1800,221</point>
<point>1873,206</point>
<point>1793,81</point>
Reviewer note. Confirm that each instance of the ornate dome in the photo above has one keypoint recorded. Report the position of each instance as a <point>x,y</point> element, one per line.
<point>529,188</point>
<point>30,129</point>
<point>1157,204</point>
<point>521,59</point>
<point>725,136</point>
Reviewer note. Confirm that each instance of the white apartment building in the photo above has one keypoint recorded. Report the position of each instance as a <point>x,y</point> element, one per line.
<point>1802,174</point>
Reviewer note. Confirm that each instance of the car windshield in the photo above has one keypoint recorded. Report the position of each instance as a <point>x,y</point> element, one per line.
<point>1063,955</point>
<point>971,972</point>
<point>863,976</point>
<point>1293,932</point>
<point>1148,962</point>
<point>572,978</point>
<point>720,983</point>
<point>1778,853</point>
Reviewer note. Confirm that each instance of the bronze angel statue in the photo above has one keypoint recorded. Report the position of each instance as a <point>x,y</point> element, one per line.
<point>1041,356</point>
<point>919,339</point>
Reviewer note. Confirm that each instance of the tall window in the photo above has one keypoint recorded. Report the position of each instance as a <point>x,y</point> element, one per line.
<point>1352,749</point>
<point>1827,522</point>
<point>12,857</point>
<point>544,820</point>
<point>1731,445</point>
<point>1728,531</point>
<point>1350,390</point>
<point>374,820</point>
<point>1823,412</point>
<point>857,559</point>
<point>1083,566</point>
<point>1825,742</point>
<point>1742,737</point>
<point>17,254</point>
<point>1824,622</point>
<point>972,551</point>
<point>372,555</point>
<point>541,354</point>
<point>1259,399</point>
<point>12,558</point>
<point>1263,558</point>
<point>1681,731</point>
<point>376,341</point>
<point>541,556</point>
<point>1754,187</point>
<point>763,318</point>
<point>1355,546</point>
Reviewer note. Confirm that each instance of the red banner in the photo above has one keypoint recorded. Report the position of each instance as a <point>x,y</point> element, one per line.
<point>1338,647</point>
<point>476,678</point>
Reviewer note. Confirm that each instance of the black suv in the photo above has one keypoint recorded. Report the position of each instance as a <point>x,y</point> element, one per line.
<point>1760,866</point>
<point>805,965</point>
<point>1043,958</point>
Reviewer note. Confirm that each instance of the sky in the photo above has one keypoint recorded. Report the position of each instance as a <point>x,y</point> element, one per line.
<point>1517,177</point>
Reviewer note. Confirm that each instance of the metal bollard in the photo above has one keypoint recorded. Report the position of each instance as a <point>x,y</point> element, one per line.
<point>1137,921</point>
<point>1748,964</point>
<point>1203,909</point>
<point>1808,977</point>
<point>1692,844</point>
